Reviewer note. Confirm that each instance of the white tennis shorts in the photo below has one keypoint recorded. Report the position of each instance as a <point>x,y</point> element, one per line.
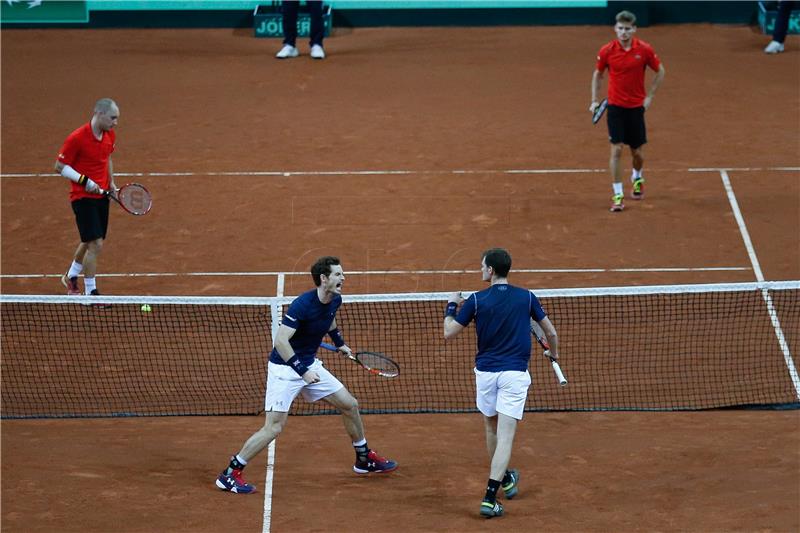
<point>284,384</point>
<point>502,392</point>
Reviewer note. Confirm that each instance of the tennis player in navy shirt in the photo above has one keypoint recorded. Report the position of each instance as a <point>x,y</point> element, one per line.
<point>294,369</point>
<point>502,315</point>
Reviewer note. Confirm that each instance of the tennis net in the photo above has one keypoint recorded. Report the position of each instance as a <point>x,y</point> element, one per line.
<point>639,348</point>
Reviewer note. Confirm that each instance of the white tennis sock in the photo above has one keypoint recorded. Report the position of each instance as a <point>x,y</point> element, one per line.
<point>89,284</point>
<point>636,174</point>
<point>239,458</point>
<point>74,270</point>
<point>617,187</point>
<point>362,442</point>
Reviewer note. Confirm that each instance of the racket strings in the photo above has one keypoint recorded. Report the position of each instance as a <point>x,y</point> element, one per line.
<point>378,362</point>
<point>135,199</point>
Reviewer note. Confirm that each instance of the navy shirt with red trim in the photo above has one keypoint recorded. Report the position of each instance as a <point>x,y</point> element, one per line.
<point>502,316</point>
<point>311,319</point>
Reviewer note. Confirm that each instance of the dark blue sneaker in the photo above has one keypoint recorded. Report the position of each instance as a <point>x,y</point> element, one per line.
<point>233,482</point>
<point>375,464</point>
<point>510,489</point>
<point>490,509</point>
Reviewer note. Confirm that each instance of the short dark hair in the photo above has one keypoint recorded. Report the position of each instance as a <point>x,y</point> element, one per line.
<point>626,16</point>
<point>499,259</point>
<point>323,266</point>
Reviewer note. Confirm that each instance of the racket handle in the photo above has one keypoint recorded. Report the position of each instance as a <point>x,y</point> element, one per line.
<point>543,343</point>
<point>332,348</point>
<point>559,374</point>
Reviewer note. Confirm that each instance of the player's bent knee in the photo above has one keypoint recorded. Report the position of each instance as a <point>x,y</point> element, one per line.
<point>348,405</point>
<point>274,428</point>
<point>351,405</point>
<point>275,422</point>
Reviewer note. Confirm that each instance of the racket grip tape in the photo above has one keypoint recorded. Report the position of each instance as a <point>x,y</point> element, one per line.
<point>559,374</point>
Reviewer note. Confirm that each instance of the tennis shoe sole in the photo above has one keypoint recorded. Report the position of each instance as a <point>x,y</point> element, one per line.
<point>363,471</point>
<point>490,510</point>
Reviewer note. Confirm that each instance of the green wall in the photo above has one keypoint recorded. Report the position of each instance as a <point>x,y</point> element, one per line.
<point>364,13</point>
<point>198,5</point>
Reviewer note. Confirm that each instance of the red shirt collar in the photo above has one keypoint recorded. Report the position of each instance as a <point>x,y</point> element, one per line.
<point>90,133</point>
<point>634,44</point>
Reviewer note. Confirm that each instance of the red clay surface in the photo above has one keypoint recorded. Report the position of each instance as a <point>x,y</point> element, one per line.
<point>706,471</point>
<point>431,101</point>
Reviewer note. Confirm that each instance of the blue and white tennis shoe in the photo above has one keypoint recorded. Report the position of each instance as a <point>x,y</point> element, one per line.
<point>234,482</point>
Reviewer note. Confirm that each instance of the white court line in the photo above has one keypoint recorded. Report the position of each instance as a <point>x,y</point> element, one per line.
<point>386,272</point>
<point>280,284</point>
<point>268,488</point>
<point>737,213</point>
<point>396,172</point>
<point>276,312</point>
<point>745,169</point>
<point>748,244</point>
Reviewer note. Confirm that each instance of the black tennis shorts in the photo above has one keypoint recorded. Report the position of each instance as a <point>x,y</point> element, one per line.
<point>91,216</point>
<point>626,125</point>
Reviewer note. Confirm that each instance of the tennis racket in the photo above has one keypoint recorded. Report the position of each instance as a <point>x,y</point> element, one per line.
<point>133,198</point>
<point>374,362</point>
<point>538,333</point>
<point>599,110</point>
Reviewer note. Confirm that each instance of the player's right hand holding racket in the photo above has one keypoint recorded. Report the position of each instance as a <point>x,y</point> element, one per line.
<point>541,338</point>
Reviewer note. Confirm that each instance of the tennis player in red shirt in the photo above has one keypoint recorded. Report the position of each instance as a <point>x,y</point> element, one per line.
<point>85,160</point>
<point>626,59</point>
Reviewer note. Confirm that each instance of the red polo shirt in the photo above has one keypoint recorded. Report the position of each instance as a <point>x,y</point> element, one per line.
<point>626,71</point>
<point>88,156</point>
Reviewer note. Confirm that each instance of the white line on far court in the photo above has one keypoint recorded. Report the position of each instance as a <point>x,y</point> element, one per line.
<point>387,272</point>
<point>751,252</point>
<point>737,214</point>
<point>399,172</point>
<point>745,169</point>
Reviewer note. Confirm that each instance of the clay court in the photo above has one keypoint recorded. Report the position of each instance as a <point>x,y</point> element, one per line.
<point>407,152</point>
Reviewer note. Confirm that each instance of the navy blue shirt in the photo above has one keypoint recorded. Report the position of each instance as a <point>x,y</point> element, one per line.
<point>311,319</point>
<point>502,316</point>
